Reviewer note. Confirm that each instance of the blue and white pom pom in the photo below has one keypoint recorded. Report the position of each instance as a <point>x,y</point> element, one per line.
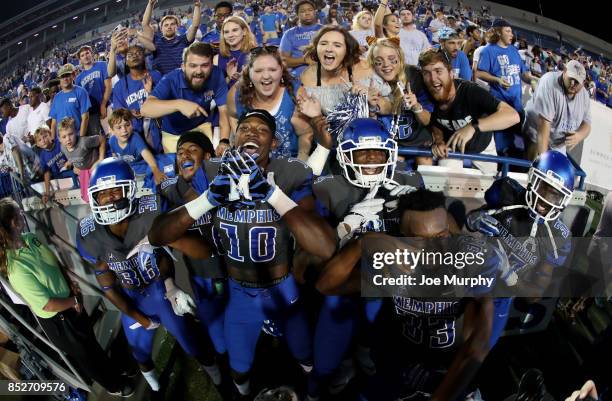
<point>354,106</point>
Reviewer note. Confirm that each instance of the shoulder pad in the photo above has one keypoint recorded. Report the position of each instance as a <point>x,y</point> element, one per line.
<point>166,183</point>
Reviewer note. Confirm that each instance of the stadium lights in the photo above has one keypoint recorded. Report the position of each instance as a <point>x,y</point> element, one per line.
<point>75,17</point>
<point>54,26</point>
<point>36,35</point>
<point>96,9</point>
<point>118,1</point>
<point>20,42</point>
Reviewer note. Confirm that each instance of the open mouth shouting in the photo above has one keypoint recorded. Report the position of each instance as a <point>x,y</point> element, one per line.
<point>251,148</point>
<point>329,59</point>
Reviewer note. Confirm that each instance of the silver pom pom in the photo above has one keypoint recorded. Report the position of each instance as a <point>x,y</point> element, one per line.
<point>354,106</point>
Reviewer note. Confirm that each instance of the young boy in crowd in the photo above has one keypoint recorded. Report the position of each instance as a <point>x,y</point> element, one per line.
<point>54,163</point>
<point>82,152</point>
<point>133,149</point>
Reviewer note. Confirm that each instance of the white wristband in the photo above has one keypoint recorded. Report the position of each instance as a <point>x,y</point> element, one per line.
<point>199,206</point>
<point>317,159</point>
<point>281,202</point>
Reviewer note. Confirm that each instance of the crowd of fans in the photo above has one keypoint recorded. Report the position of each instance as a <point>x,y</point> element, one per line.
<point>259,85</point>
<point>114,83</point>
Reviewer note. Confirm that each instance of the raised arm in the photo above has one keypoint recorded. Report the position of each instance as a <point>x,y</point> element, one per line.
<point>340,276</point>
<point>195,21</point>
<point>381,11</point>
<point>146,19</point>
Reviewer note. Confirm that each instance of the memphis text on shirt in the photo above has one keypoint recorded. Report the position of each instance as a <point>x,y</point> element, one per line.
<point>90,77</point>
<point>248,216</point>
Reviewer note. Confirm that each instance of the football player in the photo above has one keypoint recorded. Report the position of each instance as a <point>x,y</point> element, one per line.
<point>259,203</point>
<point>209,279</point>
<point>136,278</point>
<point>527,222</point>
<point>363,198</point>
<point>433,347</point>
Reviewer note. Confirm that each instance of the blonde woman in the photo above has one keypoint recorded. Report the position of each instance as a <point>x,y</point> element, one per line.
<point>235,43</point>
<point>411,106</point>
<point>362,28</point>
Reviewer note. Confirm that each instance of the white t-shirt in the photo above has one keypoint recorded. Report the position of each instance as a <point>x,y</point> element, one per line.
<point>38,117</point>
<point>360,36</point>
<point>476,58</point>
<point>436,23</point>
<point>550,102</point>
<point>18,125</point>
<point>413,43</point>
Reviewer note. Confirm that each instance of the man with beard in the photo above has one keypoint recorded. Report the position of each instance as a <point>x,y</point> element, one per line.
<point>94,79</point>
<point>464,114</point>
<point>254,231</point>
<point>450,43</point>
<point>168,46</point>
<point>183,98</point>
<point>431,344</point>
<point>131,91</point>
<point>295,40</point>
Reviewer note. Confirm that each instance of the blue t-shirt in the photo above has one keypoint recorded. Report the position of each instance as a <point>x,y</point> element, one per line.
<point>295,40</point>
<point>70,104</point>
<point>269,22</point>
<point>130,94</point>
<point>53,160</point>
<point>461,66</point>
<point>168,52</point>
<point>213,37</point>
<point>603,87</point>
<point>505,63</point>
<point>132,152</point>
<point>241,59</point>
<point>173,86</point>
<point>92,81</point>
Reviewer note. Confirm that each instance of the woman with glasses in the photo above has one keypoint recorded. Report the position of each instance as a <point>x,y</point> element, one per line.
<point>235,43</point>
<point>266,84</point>
<point>35,274</point>
<point>337,70</point>
<point>411,106</point>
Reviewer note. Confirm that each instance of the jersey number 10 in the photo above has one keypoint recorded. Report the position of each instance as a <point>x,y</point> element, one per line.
<point>262,243</point>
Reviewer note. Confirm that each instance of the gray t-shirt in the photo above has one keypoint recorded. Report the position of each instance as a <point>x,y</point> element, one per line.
<point>550,102</point>
<point>85,153</point>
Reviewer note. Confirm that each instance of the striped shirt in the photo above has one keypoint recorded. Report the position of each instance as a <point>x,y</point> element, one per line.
<point>168,52</point>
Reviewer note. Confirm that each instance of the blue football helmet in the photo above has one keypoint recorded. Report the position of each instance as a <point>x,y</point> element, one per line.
<point>108,174</point>
<point>364,134</point>
<point>552,169</point>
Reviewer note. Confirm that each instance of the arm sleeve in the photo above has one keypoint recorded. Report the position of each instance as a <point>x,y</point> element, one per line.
<point>103,70</point>
<point>484,61</point>
<point>544,104</point>
<point>163,90</point>
<point>302,184</point>
<point>466,71</point>
<point>286,43</point>
<point>482,100</point>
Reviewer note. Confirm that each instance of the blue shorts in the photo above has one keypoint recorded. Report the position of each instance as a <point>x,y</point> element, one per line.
<point>211,308</point>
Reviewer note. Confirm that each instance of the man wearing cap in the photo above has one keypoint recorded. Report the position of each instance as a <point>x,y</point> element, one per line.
<point>71,101</point>
<point>275,202</point>
<point>208,276</point>
<point>450,44</point>
<point>501,66</point>
<point>168,45</point>
<point>94,79</point>
<point>184,98</point>
<point>558,116</point>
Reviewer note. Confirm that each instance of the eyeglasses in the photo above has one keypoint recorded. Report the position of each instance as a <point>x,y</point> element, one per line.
<point>263,49</point>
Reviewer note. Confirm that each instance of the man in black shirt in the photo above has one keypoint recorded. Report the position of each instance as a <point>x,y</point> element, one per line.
<point>465,115</point>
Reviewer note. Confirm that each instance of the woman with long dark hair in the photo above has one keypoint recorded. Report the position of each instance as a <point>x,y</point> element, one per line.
<point>35,274</point>
<point>267,84</point>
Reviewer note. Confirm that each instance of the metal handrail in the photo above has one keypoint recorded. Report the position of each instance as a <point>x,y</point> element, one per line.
<point>505,162</point>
